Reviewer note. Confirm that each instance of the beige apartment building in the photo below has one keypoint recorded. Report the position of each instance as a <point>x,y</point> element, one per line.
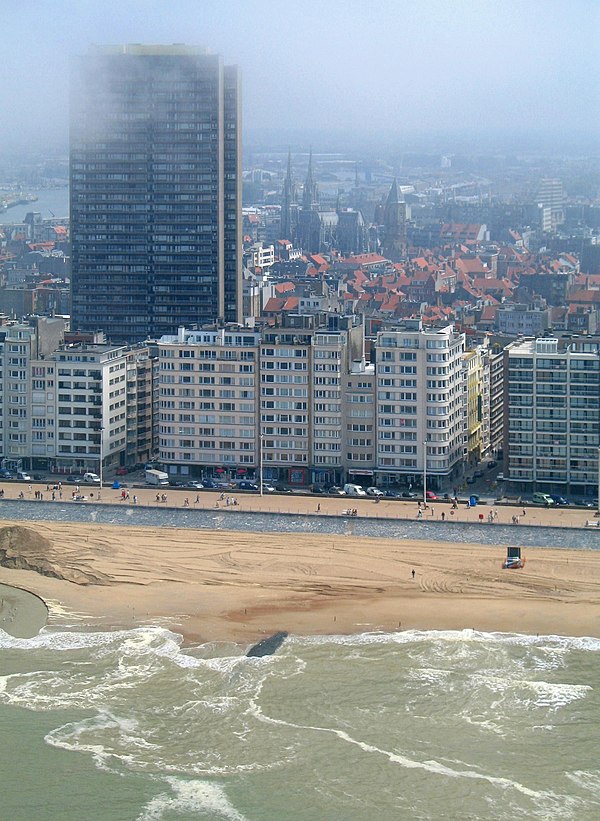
<point>420,405</point>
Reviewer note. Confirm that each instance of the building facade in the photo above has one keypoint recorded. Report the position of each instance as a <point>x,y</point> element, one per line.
<point>155,191</point>
<point>420,405</point>
<point>552,414</point>
<point>59,400</point>
<point>208,403</point>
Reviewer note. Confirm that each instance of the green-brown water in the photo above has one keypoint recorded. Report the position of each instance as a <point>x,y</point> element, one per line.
<point>453,725</point>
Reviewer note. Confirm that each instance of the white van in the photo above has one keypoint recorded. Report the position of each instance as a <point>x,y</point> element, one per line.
<point>91,478</point>
<point>354,490</point>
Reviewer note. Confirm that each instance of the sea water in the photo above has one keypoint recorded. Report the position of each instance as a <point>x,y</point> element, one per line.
<point>123,725</point>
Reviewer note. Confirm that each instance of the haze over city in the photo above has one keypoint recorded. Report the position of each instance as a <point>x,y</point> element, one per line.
<point>333,72</point>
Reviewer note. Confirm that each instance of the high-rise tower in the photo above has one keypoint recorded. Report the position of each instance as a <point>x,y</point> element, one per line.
<point>155,190</point>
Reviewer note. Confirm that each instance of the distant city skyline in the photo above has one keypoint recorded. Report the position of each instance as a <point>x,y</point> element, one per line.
<point>475,70</point>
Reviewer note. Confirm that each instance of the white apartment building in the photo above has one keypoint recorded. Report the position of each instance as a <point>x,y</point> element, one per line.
<point>58,400</point>
<point>91,383</point>
<point>208,402</point>
<point>420,404</point>
<point>552,414</point>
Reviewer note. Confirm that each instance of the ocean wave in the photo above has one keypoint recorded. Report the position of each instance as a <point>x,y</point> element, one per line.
<point>526,693</point>
<point>584,643</point>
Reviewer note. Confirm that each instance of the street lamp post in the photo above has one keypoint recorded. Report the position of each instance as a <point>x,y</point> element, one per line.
<point>598,481</point>
<point>260,467</point>
<point>425,472</point>
<point>101,461</point>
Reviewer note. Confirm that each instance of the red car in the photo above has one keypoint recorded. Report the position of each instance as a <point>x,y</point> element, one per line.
<point>430,495</point>
<point>122,471</point>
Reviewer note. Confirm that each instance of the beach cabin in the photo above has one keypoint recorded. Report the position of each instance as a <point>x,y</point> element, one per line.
<point>514,560</point>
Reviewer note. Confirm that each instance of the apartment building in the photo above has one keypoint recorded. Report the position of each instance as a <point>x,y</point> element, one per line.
<point>477,386</point>
<point>233,398</point>
<point>28,391</point>
<point>359,442</point>
<point>59,399</point>
<point>285,393</point>
<point>208,402</point>
<point>496,417</point>
<point>552,414</point>
<point>420,408</point>
<point>155,190</point>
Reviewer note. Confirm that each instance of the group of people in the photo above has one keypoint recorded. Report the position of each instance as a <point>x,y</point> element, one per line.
<point>230,501</point>
<point>161,497</point>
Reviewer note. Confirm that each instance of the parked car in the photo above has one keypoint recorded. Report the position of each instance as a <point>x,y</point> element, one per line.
<point>209,484</point>
<point>267,488</point>
<point>246,485</point>
<point>91,478</point>
<point>492,464</point>
<point>286,489</point>
<point>542,499</point>
<point>430,495</point>
<point>478,474</point>
<point>471,480</point>
<point>75,478</point>
<point>409,494</point>
<point>336,491</point>
<point>374,491</point>
<point>24,477</point>
<point>194,485</point>
<point>392,494</point>
<point>317,489</point>
<point>500,477</point>
<point>6,474</point>
<point>559,500</point>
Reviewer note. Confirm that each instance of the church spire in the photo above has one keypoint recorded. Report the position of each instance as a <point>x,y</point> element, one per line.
<point>395,215</point>
<point>287,198</point>
<point>309,196</point>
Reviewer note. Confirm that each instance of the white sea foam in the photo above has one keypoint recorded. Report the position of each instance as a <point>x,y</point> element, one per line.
<point>588,779</point>
<point>431,766</point>
<point>553,642</point>
<point>191,797</point>
<point>70,737</point>
<point>533,693</point>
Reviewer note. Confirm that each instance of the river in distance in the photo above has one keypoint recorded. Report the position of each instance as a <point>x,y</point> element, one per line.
<point>51,203</point>
<point>132,726</point>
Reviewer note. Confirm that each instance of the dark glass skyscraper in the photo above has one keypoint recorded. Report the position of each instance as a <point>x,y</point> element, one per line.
<point>155,190</point>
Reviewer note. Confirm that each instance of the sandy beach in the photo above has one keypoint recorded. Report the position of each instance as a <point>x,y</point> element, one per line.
<point>222,585</point>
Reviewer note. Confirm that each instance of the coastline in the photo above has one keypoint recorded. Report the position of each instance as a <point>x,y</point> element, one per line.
<point>242,586</point>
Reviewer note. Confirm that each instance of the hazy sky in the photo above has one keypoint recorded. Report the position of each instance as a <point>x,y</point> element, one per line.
<point>384,66</point>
